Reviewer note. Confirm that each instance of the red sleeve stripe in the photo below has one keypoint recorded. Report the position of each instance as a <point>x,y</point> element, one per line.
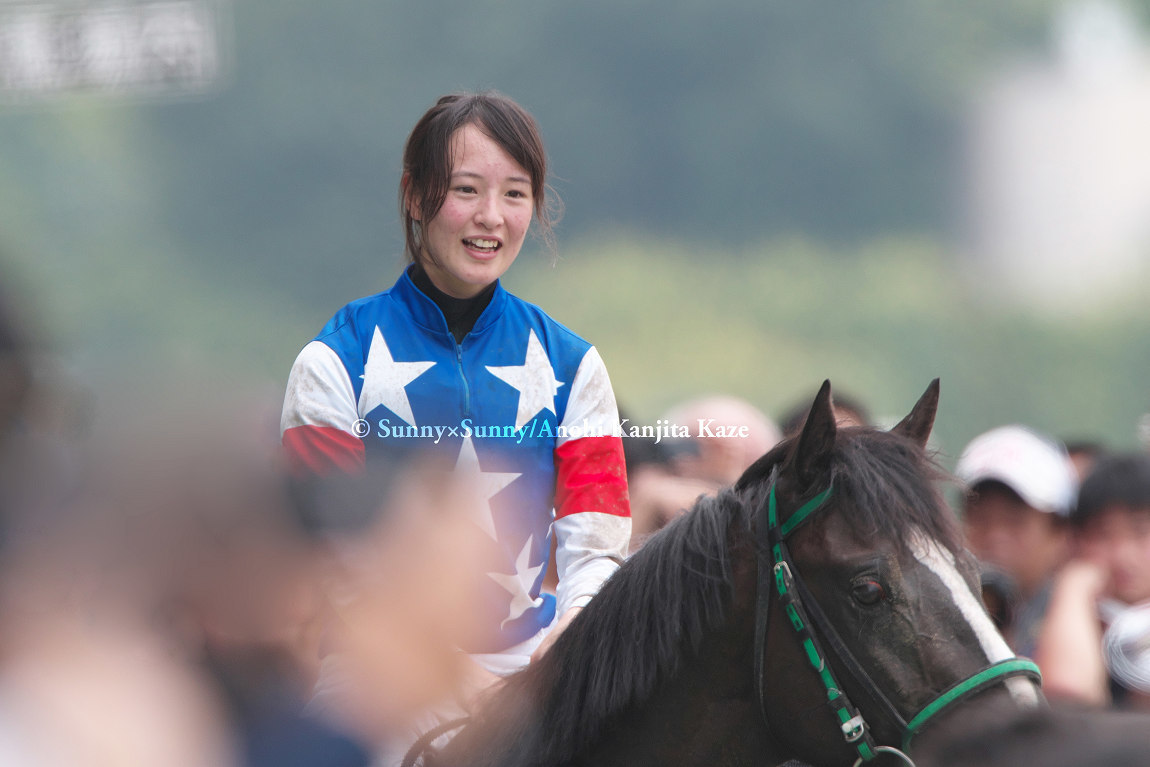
<point>322,449</point>
<point>591,476</point>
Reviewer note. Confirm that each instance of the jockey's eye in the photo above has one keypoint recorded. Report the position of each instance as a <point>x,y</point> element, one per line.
<point>868,593</point>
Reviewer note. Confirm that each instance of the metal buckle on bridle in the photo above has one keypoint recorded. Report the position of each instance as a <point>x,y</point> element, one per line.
<point>854,728</point>
<point>785,569</point>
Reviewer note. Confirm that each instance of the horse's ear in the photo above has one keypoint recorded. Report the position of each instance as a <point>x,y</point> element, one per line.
<point>917,425</point>
<point>811,456</point>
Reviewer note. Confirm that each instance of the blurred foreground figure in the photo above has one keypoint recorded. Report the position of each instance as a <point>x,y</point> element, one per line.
<point>168,613</point>
<point>144,607</point>
<point>1020,489</point>
<point>1095,647</point>
<point>85,677</point>
<point>402,587</point>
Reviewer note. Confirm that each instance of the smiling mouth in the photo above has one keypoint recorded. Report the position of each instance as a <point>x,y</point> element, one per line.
<point>482,244</point>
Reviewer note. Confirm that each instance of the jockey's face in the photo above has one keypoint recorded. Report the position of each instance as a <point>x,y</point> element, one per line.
<point>478,232</point>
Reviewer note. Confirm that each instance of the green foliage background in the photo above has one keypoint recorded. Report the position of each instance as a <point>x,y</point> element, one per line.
<point>770,322</point>
<point>759,195</point>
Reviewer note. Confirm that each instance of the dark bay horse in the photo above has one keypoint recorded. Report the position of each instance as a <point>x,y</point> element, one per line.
<point>822,609</point>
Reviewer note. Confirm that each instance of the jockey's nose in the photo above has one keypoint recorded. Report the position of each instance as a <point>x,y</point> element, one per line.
<point>489,215</point>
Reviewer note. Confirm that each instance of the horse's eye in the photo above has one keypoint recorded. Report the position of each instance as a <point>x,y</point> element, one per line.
<point>868,593</point>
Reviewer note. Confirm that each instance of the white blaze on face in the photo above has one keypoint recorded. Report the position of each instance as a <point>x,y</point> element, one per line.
<point>941,562</point>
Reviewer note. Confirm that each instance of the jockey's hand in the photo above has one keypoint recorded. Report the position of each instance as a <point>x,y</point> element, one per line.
<point>549,640</point>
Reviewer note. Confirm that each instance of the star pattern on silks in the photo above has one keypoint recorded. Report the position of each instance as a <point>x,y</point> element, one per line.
<point>519,585</point>
<point>487,484</point>
<point>385,380</point>
<point>535,380</point>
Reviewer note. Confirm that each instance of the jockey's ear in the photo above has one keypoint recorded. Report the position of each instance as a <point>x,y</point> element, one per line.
<point>810,458</point>
<point>918,423</point>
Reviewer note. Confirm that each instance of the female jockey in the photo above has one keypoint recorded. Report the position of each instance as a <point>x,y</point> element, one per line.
<point>448,361</point>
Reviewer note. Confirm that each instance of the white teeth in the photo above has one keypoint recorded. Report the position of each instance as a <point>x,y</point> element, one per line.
<point>483,243</point>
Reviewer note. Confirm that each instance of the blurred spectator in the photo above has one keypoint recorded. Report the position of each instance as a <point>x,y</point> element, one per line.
<point>706,456</point>
<point>848,412</point>
<point>1020,488</point>
<point>1109,574</point>
<point>1084,454</point>
<point>658,494</point>
<point>666,475</point>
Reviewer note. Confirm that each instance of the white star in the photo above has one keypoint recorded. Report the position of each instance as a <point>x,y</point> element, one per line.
<point>519,585</point>
<point>535,379</point>
<point>487,484</point>
<point>384,380</point>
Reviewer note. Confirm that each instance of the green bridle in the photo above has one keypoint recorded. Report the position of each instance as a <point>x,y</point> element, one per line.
<point>778,574</point>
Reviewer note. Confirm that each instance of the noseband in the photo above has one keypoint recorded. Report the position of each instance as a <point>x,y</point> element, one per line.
<point>777,573</point>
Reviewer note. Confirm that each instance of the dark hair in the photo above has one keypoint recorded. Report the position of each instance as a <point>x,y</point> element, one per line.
<point>1117,480</point>
<point>427,160</point>
<point>794,417</point>
<point>1085,447</point>
<point>988,486</point>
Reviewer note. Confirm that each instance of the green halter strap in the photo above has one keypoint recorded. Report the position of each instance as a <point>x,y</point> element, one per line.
<point>853,725</point>
<point>799,606</point>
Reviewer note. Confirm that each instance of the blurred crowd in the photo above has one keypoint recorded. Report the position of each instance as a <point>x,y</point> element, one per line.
<point>1063,532</point>
<point>173,596</point>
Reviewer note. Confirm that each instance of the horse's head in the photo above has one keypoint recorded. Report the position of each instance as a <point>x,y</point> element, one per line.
<point>874,571</point>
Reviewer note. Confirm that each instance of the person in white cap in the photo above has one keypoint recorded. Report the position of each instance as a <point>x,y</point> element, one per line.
<point>1020,488</point>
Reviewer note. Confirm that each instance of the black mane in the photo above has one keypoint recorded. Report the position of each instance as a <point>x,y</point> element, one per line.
<point>654,612</point>
<point>643,623</point>
<point>893,489</point>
